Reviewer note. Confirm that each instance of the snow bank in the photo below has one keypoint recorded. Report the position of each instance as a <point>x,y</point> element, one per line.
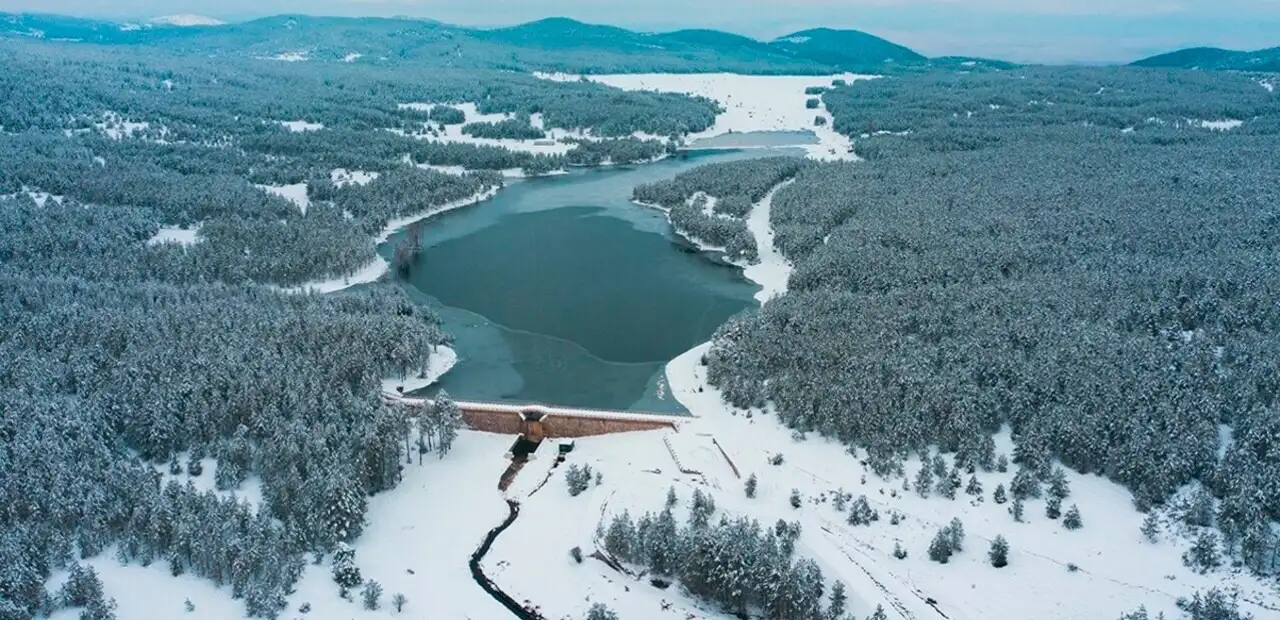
<point>751,102</point>
<point>442,359</point>
<point>399,223</point>
<point>182,236</point>
<point>301,126</point>
<point>295,193</point>
<point>773,270</point>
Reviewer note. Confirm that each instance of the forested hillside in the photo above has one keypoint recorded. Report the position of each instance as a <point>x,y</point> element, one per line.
<point>1085,255</point>
<point>150,206</point>
<point>1215,58</point>
<point>554,44</point>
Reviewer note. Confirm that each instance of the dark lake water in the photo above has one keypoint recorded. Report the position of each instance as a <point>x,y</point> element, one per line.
<point>560,290</point>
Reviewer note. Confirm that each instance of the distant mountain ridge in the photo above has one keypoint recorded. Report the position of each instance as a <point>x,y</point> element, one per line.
<point>1213,58</point>
<point>552,44</point>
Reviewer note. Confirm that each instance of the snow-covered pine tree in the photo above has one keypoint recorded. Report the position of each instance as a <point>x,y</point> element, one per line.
<point>949,483</point>
<point>795,498</point>
<point>749,487</point>
<point>599,611</point>
<point>878,614</point>
<point>898,551</point>
<point>861,512</point>
<point>836,606</point>
<point>398,601</point>
<point>344,570</point>
<point>372,595</point>
<point>1017,510</point>
<point>703,506</point>
<point>974,487</point>
<point>940,549</point>
<point>620,540</point>
<point>672,498</point>
<point>1071,520</point>
<point>1002,464</point>
<point>1058,485</point>
<point>450,421</point>
<point>1203,556</point>
<point>1053,507</point>
<point>1024,485</point>
<point>955,533</point>
<point>999,553</point>
<point>1151,527</point>
<point>999,495</point>
<point>924,480</point>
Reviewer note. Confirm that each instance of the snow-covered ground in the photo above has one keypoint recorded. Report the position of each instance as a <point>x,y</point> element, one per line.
<point>116,127</point>
<point>341,177</point>
<point>553,144</point>
<point>751,102</point>
<point>300,126</point>
<point>40,198</point>
<point>172,234</point>
<point>773,270</point>
<point>295,193</point>
<point>249,491</point>
<point>442,359</point>
<point>1218,125</point>
<point>352,57</point>
<point>294,56</point>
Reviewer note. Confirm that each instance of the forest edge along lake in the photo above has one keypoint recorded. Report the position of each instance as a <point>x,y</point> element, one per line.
<point>561,290</point>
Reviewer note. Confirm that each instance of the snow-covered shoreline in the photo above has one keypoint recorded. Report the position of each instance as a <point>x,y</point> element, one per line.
<point>378,266</point>
<point>442,360</point>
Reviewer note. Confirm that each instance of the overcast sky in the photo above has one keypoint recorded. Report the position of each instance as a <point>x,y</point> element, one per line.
<point>1020,30</point>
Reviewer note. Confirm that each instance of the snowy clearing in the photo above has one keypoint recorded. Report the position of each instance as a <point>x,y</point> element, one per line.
<point>40,198</point>
<point>751,102</point>
<point>1219,125</point>
<point>249,491</point>
<point>171,234</point>
<point>442,359</point>
<point>341,177</point>
<point>301,126</point>
<point>553,144</point>
<point>114,126</point>
<point>295,193</point>
<point>352,57</point>
<point>1269,84</point>
<point>296,56</point>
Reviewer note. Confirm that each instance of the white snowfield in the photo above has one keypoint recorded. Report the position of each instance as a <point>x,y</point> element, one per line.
<point>751,103</point>
<point>295,193</point>
<point>1218,125</point>
<point>342,177</point>
<point>301,126</point>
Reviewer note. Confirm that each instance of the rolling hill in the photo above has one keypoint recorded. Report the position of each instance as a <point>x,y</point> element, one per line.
<point>553,44</point>
<point>1213,58</point>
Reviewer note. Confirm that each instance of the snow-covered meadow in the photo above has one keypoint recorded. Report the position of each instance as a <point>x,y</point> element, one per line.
<point>751,103</point>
